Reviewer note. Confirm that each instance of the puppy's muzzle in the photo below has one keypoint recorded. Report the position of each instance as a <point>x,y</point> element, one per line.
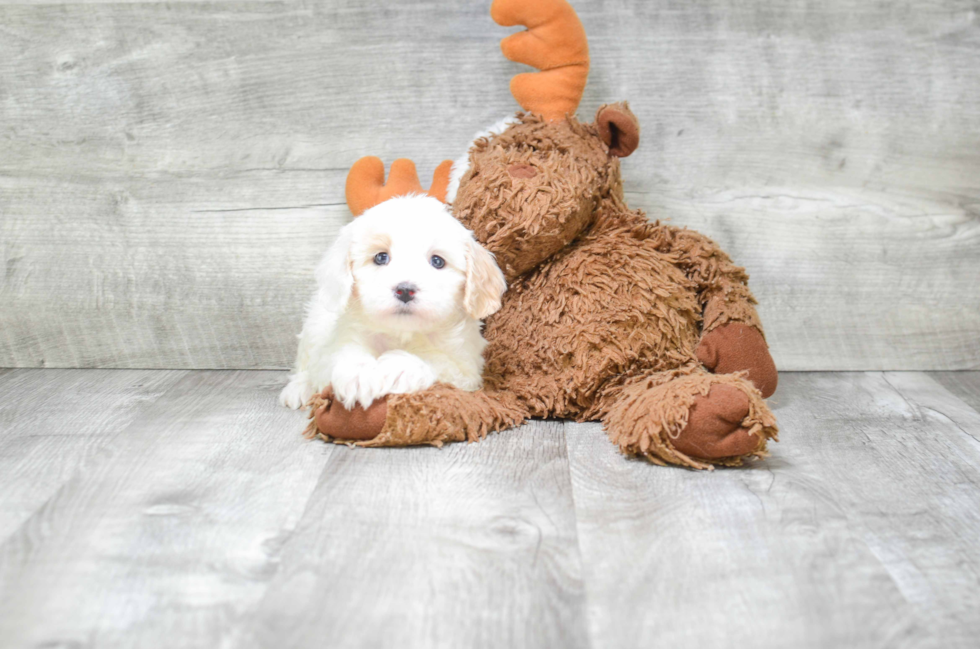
<point>406,292</point>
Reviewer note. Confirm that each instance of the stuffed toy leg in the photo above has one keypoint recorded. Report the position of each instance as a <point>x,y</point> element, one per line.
<point>689,417</point>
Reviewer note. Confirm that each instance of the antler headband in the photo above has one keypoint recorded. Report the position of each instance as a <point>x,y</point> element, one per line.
<point>366,185</point>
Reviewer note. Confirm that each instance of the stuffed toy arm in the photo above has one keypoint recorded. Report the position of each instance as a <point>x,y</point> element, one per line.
<point>435,416</point>
<point>732,339</point>
<point>722,286</point>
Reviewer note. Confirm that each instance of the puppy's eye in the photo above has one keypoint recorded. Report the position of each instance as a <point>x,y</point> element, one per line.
<point>381,258</point>
<point>437,261</point>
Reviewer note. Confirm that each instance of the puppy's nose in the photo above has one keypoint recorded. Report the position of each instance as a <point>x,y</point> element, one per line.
<point>518,170</point>
<point>406,292</point>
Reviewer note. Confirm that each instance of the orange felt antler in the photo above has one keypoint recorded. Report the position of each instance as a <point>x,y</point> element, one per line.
<point>555,44</point>
<point>366,185</point>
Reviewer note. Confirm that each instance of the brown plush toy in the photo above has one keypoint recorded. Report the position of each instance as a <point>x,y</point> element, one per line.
<point>644,326</point>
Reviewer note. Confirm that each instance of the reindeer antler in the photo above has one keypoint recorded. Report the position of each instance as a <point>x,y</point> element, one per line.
<point>555,44</point>
<point>366,185</point>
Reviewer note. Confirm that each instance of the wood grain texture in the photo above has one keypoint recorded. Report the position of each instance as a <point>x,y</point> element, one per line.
<point>859,531</point>
<point>171,533</point>
<point>965,385</point>
<point>183,509</point>
<point>152,273</point>
<point>56,424</point>
<point>467,546</point>
<point>170,173</point>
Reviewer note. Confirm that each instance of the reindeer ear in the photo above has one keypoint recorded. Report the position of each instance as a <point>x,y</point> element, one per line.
<point>485,284</point>
<point>618,128</point>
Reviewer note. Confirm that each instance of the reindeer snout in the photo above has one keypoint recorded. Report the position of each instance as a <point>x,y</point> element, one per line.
<point>519,170</point>
<point>406,292</point>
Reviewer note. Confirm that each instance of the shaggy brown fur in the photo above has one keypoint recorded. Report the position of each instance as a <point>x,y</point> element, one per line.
<point>606,316</point>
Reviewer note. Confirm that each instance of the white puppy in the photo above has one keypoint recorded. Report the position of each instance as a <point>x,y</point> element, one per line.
<point>400,296</point>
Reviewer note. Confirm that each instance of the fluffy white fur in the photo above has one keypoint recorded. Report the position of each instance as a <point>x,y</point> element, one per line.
<point>361,339</point>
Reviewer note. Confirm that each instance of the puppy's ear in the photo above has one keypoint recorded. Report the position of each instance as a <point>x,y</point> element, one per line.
<point>334,277</point>
<point>485,284</point>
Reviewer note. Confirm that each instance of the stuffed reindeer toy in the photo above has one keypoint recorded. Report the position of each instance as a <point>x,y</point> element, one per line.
<point>646,327</point>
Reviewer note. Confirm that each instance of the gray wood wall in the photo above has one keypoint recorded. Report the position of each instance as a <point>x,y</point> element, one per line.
<point>170,173</point>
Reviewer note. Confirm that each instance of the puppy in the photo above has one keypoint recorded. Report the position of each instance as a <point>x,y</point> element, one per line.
<point>400,295</point>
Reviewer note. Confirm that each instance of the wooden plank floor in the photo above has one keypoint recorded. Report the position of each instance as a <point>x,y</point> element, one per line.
<point>184,509</point>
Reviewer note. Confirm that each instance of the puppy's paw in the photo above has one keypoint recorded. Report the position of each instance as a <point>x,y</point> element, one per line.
<point>355,383</point>
<point>297,392</point>
<point>402,372</point>
<point>394,372</point>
